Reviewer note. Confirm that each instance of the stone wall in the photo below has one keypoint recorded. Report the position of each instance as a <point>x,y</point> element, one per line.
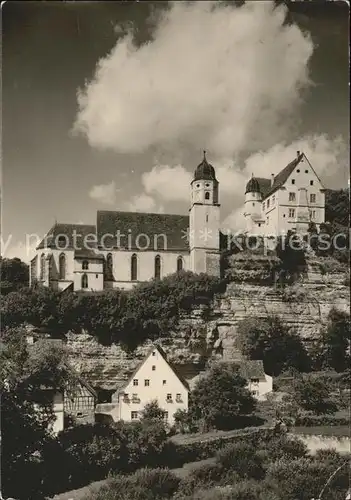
<point>201,338</point>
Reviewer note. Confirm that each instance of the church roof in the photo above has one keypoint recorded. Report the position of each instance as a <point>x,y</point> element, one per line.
<point>68,232</point>
<point>205,171</point>
<point>132,224</point>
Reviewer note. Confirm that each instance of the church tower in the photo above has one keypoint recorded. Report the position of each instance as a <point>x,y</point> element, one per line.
<point>204,221</point>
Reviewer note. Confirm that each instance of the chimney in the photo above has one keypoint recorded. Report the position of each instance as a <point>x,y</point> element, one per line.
<point>272,179</point>
<point>298,153</point>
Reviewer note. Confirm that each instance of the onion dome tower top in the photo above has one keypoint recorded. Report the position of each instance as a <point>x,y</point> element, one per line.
<point>205,171</point>
<point>253,186</point>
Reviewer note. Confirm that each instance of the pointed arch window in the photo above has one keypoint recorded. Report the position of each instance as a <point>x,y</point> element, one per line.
<point>207,195</point>
<point>134,267</point>
<point>62,267</point>
<point>109,266</point>
<point>42,266</point>
<point>179,264</point>
<point>157,267</point>
<point>85,265</point>
<point>85,281</point>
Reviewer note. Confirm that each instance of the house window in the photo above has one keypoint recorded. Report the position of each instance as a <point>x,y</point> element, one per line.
<point>42,266</point>
<point>85,265</point>
<point>62,267</point>
<point>134,267</point>
<point>135,398</point>
<point>306,171</point>
<point>169,398</point>
<point>291,212</point>
<point>164,382</point>
<point>259,225</point>
<point>178,398</point>
<point>154,353</point>
<point>311,183</point>
<point>263,206</point>
<point>146,382</point>
<point>253,204</point>
<point>157,267</point>
<point>298,170</point>
<point>312,198</point>
<point>292,181</point>
<point>268,204</point>
<point>254,380</point>
<point>254,393</point>
<point>109,266</point>
<point>179,264</point>
<point>313,214</point>
<point>153,368</point>
<point>273,199</point>
<point>206,218</point>
<point>126,397</point>
<point>84,281</point>
<point>135,381</point>
<point>207,195</point>
<point>134,415</point>
<point>292,197</point>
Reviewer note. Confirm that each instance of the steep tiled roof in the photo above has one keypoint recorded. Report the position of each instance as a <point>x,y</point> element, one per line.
<point>251,369</point>
<point>265,185</point>
<point>174,227</point>
<point>88,253</point>
<point>139,365</point>
<point>283,175</point>
<point>68,231</point>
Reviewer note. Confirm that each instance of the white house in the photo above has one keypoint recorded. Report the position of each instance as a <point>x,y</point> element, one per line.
<point>290,200</point>
<point>153,379</point>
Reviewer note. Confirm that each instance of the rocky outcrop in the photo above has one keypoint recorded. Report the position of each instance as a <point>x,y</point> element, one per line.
<point>208,335</point>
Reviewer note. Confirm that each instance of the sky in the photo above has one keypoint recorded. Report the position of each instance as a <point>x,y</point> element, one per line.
<point>109,105</point>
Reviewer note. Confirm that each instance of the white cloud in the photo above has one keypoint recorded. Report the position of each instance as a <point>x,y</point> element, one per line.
<point>104,193</point>
<point>169,183</point>
<point>143,203</point>
<point>214,76</point>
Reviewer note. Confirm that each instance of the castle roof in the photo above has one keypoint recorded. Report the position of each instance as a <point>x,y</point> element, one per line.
<point>252,186</point>
<point>205,171</point>
<point>137,229</point>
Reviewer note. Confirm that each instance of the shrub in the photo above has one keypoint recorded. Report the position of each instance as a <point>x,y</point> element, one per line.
<point>242,459</point>
<point>282,446</point>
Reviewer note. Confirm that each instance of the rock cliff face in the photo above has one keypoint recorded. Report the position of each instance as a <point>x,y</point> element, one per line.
<point>207,335</point>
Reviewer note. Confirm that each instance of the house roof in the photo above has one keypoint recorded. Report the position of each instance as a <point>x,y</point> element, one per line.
<point>73,236</point>
<point>70,369</point>
<point>249,369</point>
<point>139,365</point>
<point>129,225</point>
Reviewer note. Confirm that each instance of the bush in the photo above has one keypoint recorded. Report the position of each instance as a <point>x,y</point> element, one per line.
<point>314,421</point>
<point>242,459</point>
<point>282,446</point>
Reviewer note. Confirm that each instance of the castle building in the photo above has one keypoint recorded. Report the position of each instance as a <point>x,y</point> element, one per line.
<point>126,248</point>
<point>291,200</point>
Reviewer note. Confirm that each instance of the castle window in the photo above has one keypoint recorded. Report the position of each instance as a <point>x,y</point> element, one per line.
<point>313,214</point>
<point>207,195</point>
<point>134,267</point>
<point>84,281</point>
<point>207,185</point>
<point>263,205</point>
<point>298,170</point>
<point>259,225</point>
<point>62,267</point>
<point>267,204</point>
<point>306,171</point>
<point>292,181</point>
<point>157,267</point>
<point>179,264</point>
<point>85,265</point>
<point>42,266</point>
<point>292,197</point>
<point>109,266</point>
<point>253,204</point>
<point>273,199</point>
<point>206,218</point>
<point>312,198</point>
<point>291,212</point>
<point>311,183</point>
<point>197,185</point>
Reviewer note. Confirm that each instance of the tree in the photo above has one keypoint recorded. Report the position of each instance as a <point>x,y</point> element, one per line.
<point>243,459</point>
<point>221,398</point>
<point>336,340</point>
<point>270,340</point>
<point>311,394</point>
<point>14,275</point>
<point>152,412</point>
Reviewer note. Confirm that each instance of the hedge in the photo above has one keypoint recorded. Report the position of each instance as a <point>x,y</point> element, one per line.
<point>314,421</point>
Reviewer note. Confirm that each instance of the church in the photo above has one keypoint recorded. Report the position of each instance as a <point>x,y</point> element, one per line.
<point>126,248</point>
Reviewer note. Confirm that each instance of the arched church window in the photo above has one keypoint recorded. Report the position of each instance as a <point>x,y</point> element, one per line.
<point>84,281</point>
<point>85,265</point>
<point>134,267</point>
<point>207,196</point>
<point>62,267</point>
<point>179,264</point>
<point>157,267</point>
<point>42,266</point>
<point>109,266</point>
